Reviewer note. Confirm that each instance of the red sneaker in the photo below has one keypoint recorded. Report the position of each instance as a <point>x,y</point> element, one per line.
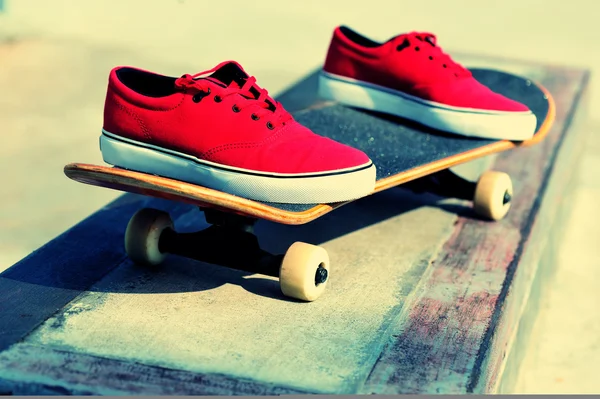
<point>410,76</point>
<point>224,132</point>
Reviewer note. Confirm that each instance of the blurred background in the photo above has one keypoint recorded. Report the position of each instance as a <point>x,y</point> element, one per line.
<point>55,56</point>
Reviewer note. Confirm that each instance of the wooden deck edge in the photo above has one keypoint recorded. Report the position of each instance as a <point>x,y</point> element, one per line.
<point>457,306</point>
<point>541,260</point>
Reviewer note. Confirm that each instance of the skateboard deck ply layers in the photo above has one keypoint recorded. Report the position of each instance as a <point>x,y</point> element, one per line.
<point>402,151</point>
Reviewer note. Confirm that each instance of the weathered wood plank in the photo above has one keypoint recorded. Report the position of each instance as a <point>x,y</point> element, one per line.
<point>450,338</point>
<point>558,162</point>
<point>501,371</point>
<point>81,374</point>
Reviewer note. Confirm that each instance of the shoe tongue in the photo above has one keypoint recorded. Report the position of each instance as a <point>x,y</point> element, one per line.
<point>235,84</point>
<point>229,75</point>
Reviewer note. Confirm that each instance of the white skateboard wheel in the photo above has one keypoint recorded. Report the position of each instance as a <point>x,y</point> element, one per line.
<point>304,271</point>
<point>143,234</point>
<point>493,195</point>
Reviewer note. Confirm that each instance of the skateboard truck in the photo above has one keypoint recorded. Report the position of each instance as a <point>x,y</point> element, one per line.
<point>229,241</point>
<point>303,271</point>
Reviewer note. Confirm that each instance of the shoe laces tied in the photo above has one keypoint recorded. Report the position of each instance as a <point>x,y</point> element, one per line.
<point>251,96</point>
<point>433,50</point>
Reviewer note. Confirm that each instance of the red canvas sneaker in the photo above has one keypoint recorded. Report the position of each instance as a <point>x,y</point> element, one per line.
<point>410,76</point>
<point>225,132</point>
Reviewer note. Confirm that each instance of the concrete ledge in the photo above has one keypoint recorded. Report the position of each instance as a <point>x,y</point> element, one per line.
<point>425,298</point>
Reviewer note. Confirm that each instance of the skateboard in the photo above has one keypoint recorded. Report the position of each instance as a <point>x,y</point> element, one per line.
<point>406,154</point>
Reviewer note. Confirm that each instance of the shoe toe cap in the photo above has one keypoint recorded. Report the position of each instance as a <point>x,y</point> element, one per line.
<point>301,151</point>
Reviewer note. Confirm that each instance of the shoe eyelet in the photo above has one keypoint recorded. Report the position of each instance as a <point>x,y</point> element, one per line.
<point>417,48</point>
<point>405,43</point>
<point>270,125</point>
<point>255,117</point>
<point>235,108</point>
<point>444,66</point>
<point>430,57</point>
<point>200,95</point>
<point>218,99</point>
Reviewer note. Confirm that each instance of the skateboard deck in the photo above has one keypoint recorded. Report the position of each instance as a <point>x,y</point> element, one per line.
<point>402,151</point>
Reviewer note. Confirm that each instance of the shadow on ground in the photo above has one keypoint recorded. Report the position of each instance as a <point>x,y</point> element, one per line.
<point>178,274</point>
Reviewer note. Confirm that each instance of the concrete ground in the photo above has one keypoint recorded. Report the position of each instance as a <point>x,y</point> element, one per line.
<point>55,57</point>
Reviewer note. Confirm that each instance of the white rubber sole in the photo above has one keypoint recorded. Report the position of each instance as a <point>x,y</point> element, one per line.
<point>334,186</point>
<point>514,126</point>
